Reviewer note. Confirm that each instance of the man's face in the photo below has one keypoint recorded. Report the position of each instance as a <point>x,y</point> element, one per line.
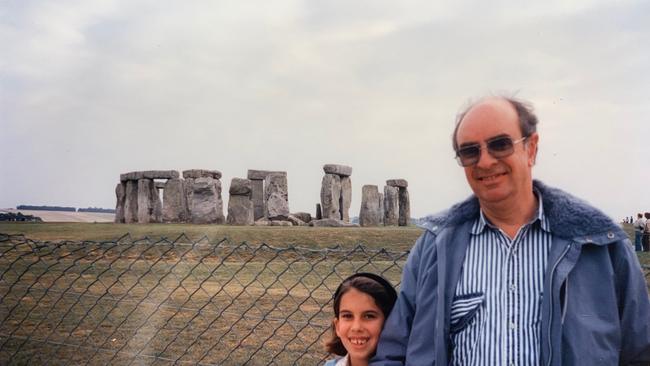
<point>497,180</point>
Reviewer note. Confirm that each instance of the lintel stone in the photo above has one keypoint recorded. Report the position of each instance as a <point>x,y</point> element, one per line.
<point>201,173</point>
<point>341,170</point>
<point>149,174</point>
<point>401,183</point>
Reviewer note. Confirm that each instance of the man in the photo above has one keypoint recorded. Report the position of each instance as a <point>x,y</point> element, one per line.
<point>639,228</point>
<point>520,273</point>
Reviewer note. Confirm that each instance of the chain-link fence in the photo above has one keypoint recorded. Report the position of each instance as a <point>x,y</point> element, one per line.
<point>172,301</point>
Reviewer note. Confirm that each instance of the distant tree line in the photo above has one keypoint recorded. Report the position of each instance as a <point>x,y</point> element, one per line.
<point>45,208</point>
<point>96,209</point>
<point>63,208</point>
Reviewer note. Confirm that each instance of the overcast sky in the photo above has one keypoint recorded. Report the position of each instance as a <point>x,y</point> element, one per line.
<point>92,89</point>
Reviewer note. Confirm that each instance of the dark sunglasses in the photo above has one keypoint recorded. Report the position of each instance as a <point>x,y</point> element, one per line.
<point>499,147</point>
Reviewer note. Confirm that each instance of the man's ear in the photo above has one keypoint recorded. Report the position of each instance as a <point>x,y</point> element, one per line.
<point>531,150</point>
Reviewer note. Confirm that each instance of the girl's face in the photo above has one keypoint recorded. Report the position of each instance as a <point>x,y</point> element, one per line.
<point>358,326</point>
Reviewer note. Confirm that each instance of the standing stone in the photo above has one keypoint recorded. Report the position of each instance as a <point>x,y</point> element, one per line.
<point>188,187</point>
<point>257,196</point>
<point>240,205</point>
<point>346,198</point>
<point>369,214</point>
<point>240,210</point>
<point>259,181</point>
<point>240,187</point>
<point>206,204</point>
<point>155,214</point>
<point>381,208</point>
<point>131,202</point>
<point>276,196</point>
<point>120,195</point>
<point>404,207</point>
<point>391,205</point>
<point>145,207</point>
<point>174,201</point>
<point>330,196</point>
<point>319,212</point>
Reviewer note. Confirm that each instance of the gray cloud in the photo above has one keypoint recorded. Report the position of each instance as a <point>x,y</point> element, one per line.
<point>89,90</point>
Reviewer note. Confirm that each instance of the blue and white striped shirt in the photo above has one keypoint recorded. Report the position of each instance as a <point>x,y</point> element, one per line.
<point>495,315</point>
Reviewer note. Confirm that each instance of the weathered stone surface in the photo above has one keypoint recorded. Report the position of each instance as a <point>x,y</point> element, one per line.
<point>346,198</point>
<point>262,222</point>
<point>330,196</point>
<point>281,223</point>
<point>296,221</point>
<point>303,216</point>
<point>257,174</point>
<point>391,205</point>
<point>342,170</point>
<point>240,187</point>
<point>156,204</point>
<point>257,195</point>
<point>206,205</point>
<point>402,183</point>
<point>370,215</point>
<point>187,186</point>
<point>319,212</point>
<point>201,173</point>
<point>131,202</point>
<point>404,207</point>
<point>145,207</point>
<point>120,196</point>
<point>149,174</point>
<point>381,208</point>
<point>174,201</point>
<point>331,223</point>
<point>277,196</point>
<point>240,210</point>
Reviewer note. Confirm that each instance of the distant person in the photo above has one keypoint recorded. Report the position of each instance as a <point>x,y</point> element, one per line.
<point>520,273</point>
<point>646,233</point>
<point>639,228</point>
<point>362,303</point>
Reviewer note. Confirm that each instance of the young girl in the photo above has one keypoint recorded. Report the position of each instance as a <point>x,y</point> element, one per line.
<point>362,303</point>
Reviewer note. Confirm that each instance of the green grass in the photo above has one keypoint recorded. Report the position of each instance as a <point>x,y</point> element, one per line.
<point>393,238</point>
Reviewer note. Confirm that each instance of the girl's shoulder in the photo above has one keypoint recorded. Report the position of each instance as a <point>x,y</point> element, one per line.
<point>338,361</point>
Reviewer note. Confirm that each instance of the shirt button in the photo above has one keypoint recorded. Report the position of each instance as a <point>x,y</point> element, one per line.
<point>512,325</point>
<point>513,287</point>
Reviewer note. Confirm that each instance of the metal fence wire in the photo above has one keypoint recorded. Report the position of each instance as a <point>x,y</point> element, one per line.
<point>145,302</point>
<point>180,301</point>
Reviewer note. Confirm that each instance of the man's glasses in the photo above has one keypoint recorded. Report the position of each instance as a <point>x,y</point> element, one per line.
<point>499,147</point>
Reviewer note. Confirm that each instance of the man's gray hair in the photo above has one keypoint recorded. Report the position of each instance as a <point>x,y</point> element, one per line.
<point>525,112</point>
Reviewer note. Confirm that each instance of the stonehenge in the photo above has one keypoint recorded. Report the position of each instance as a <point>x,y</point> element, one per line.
<point>370,213</point>
<point>336,192</point>
<point>240,204</point>
<point>259,184</point>
<point>403,204</point>
<point>196,198</point>
<point>165,196</point>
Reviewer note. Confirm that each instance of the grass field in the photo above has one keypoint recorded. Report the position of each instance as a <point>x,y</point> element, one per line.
<point>393,238</point>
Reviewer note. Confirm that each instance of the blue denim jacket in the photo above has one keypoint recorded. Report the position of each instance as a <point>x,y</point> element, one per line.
<point>597,313</point>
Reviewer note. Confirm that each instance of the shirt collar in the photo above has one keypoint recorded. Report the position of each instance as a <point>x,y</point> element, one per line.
<point>482,221</point>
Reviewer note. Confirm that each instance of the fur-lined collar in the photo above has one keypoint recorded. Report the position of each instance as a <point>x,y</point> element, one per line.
<point>568,216</point>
